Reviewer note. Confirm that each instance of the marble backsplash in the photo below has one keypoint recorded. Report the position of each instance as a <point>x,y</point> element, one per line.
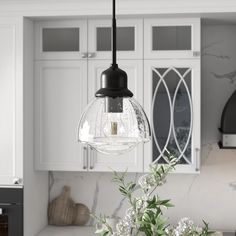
<point>210,195</point>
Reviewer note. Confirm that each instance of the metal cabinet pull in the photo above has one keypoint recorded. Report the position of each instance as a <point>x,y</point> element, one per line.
<point>85,158</point>
<point>197,151</point>
<point>91,54</point>
<point>91,166</point>
<point>17,181</point>
<point>84,55</point>
<point>3,211</point>
<point>92,158</point>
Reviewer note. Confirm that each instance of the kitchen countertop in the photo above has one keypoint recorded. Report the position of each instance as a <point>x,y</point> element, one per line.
<point>84,231</point>
<point>67,231</point>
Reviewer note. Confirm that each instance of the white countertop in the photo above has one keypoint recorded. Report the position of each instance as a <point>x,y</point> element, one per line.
<point>87,231</point>
<point>67,231</point>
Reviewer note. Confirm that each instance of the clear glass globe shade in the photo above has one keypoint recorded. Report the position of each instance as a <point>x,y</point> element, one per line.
<point>113,132</point>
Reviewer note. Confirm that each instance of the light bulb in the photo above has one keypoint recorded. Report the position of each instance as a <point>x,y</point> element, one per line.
<point>114,126</point>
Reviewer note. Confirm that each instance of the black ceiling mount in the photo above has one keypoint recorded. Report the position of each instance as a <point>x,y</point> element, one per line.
<point>114,80</point>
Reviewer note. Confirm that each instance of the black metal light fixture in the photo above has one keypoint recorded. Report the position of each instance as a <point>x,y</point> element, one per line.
<point>114,122</point>
<point>228,124</point>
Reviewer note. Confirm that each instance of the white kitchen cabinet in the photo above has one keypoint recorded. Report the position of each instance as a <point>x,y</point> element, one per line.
<point>69,39</point>
<point>173,108</point>
<point>60,97</point>
<point>11,100</point>
<point>129,39</point>
<point>168,87</point>
<point>61,40</point>
<point>172,38</point>
<point>133,160</point>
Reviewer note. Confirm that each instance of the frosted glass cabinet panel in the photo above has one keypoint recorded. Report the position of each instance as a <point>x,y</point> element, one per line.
<point>129,39</point>
<point>174,111</point>
<point>57,40</point>
<point>172,38</point>
<point>60,39</point>
<point>167,38</point>
<point>125,39</point>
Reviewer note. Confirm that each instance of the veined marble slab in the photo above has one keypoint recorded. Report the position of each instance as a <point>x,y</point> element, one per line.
<point>89,231</point>
<point>67,231</point>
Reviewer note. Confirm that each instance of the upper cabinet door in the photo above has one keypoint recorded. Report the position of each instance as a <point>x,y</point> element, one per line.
<point>60,97</point>
<point>172,103</point>
<point>57,40</point>
<point>11,100</point>
<point>172,38</point>
<point>131,161</point>
<point>129,39</point>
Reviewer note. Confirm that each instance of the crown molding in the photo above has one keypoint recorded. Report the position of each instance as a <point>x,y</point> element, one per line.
<point>39,8</point>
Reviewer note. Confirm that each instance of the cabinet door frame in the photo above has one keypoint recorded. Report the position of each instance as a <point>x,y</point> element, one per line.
<point>15,24</point>
<point>41,55</point>
<point>95,67</point>
<point>196,109</point>
<point>195,24</point>
<point>138,37</point>
<point>79,165</point>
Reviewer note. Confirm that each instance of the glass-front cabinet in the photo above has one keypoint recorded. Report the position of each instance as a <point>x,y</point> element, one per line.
<point>129,39</point>
<point>172,38</point>
<point>173,108</point>
<point>61,40</point>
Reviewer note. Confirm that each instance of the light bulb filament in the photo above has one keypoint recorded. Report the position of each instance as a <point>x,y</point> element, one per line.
<point>114,127</point>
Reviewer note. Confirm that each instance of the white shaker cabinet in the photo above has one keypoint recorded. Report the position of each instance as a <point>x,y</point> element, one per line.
<point>131,161</point>
<point>60,97</point>
<point>11,101</point>
<point>62,73</point>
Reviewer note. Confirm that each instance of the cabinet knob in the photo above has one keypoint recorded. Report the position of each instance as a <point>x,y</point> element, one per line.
<point>18,181</point>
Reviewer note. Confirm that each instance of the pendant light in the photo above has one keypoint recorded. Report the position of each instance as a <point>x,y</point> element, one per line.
<point>114,122</point>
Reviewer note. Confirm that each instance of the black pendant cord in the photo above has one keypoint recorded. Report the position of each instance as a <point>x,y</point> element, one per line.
<point>114,63</point>
<point>114,80</point>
